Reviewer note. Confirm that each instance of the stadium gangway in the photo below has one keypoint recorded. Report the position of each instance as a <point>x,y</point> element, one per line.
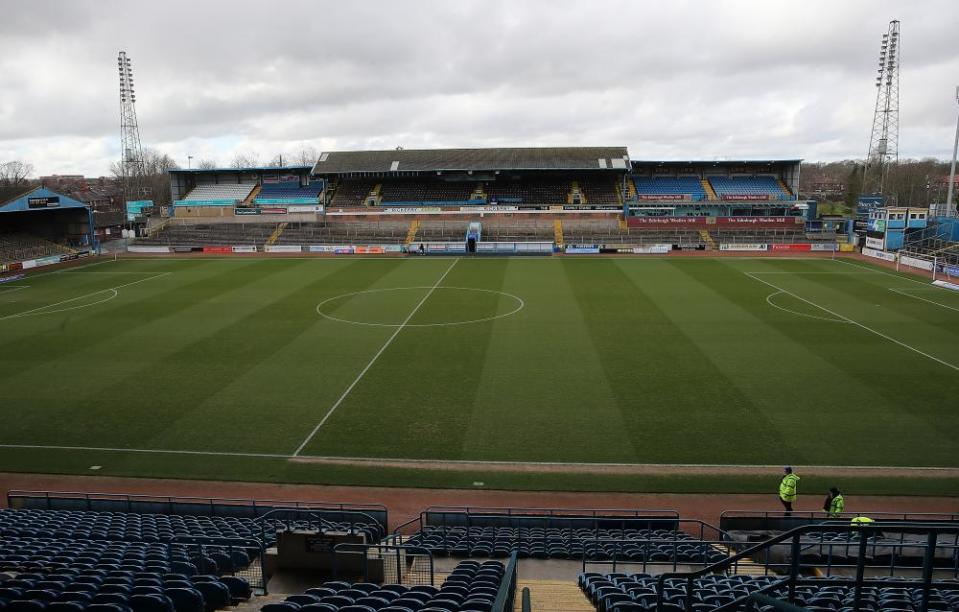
<point>859,537</point>
<point>172,504</point>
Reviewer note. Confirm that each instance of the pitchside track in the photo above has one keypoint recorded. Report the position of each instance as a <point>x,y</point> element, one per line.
<point>253,368</point>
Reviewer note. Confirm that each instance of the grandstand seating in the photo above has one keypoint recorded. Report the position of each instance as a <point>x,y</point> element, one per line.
<point>416,190</point>
<point>18,246</point>
<point>118,589</point>
<point>212,234</point>
<point>748,186</point>
<point>507,190</point>
<point>471,587</point>
<point>600,191</point>
<point>289,191</point>
<point>670,186</point>
<point>234,192</point>
<point>651,545</point>
<point>620,592</point>
<point>352,192</point>
<point>129,527</point>
<point>345,232</point>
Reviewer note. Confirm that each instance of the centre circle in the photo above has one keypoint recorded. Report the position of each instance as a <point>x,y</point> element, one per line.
<point>519,305</point>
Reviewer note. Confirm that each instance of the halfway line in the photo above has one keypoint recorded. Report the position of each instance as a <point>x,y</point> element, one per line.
<point>369,365</point>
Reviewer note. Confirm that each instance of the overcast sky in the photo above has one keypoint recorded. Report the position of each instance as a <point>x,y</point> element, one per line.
<point>670,80</point>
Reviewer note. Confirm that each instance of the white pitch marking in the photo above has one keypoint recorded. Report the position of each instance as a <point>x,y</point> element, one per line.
<point>769,300</point>
<point>857,323</point>
<point>880,271</point>
<point>373,360</point>
<point>142,450</point>
<point>903,292</point>
<point>26,313</point>
<point>519,300</point>
<point>466,461</point>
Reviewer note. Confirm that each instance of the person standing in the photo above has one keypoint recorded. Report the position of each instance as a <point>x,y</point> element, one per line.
<point>788,489</point>
<point>834,504</point>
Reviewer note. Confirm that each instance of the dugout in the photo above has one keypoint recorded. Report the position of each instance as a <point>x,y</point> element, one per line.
<point>47,215</point>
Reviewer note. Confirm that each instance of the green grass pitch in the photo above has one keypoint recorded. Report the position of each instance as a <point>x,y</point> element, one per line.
<point>660,360</point>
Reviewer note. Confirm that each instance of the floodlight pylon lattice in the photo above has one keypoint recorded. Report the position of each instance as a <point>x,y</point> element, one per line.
<point>131,153</point>
<point>884,139</point>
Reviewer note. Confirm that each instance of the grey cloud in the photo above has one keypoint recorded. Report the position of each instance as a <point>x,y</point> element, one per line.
<point>681,79</point>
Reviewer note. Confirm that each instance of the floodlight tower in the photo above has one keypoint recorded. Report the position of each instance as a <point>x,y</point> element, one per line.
<point>884,140</point>
<point>131,161</point>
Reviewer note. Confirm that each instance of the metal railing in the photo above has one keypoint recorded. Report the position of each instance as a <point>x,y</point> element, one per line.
<point>562,518</point>
<point>794,540</point>
<point>507,589</point>
<point>310,519</point>
<point>780,520</point>
<point>172,504</point>
<point>396,564</point>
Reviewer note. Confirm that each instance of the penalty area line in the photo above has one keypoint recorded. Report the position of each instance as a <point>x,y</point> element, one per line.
<point>80,297</point>
<point>856,323</point>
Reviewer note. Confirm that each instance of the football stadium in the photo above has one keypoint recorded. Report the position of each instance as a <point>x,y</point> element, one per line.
<point>484,379</point>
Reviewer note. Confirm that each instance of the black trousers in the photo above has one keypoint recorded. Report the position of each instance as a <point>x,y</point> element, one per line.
<point>788,505</point>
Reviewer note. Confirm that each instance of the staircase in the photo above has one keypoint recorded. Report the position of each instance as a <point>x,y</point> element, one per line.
<point>156,229</point>
<point>710,192</point>
<point>708,239</point>
<point>479,193</point>
<point>630,187</point>
<point>553,595</point>
<point>252,197</point>
<point>623,226</point>
<point>575,191</point>
<point>411,234</point>
<point>745,567</point>
<point>276,234</point>
<point>558,233</point>
<point>784,187</point>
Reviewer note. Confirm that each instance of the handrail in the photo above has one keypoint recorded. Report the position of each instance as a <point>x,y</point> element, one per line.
<point>865,530</point>
<point>812,514</point>
<point>507,589</point>
<point>314,511</point>
<point>511,510</point>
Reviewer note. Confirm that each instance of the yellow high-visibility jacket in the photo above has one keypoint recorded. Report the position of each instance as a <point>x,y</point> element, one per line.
<point>837,505</point>
<point>787,488</point>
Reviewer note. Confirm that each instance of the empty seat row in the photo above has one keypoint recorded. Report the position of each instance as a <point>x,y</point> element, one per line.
<point>75,590</point>
<point>620,592</point>
<point>471,587</point>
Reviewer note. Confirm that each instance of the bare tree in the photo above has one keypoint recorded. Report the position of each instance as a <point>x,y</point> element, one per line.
<point>306,157</point>
<point>206,164</point>
<point>15,173</point>
<point>276,162</point>
<point>245,160</point>
<point>14,178</point>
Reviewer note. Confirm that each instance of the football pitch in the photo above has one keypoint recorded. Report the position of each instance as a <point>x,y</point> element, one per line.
<point>264,369</point>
